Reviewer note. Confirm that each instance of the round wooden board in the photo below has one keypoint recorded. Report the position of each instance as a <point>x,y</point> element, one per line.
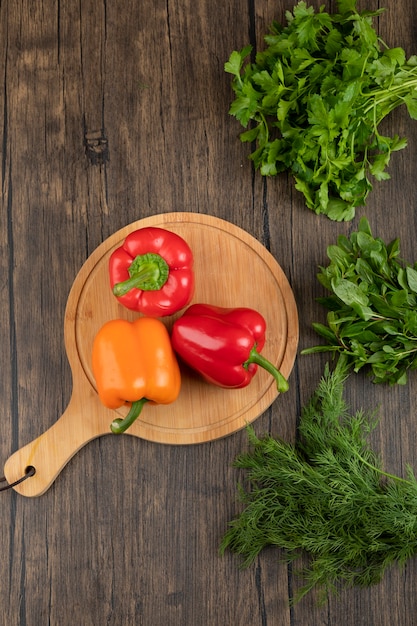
<point>231,269</point>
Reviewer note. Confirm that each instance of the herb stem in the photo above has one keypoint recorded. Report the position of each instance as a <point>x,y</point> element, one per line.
<point>394,93</point>
<point>380,471</point>
<point>265,125</point>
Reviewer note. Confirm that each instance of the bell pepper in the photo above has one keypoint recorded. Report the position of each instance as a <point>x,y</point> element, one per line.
<point>134,363</point>
<point>223,344</point>
<point>152,272</point>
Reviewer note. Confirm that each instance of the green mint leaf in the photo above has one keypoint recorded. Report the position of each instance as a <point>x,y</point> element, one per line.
<point>349,292</point>
<point>339,256</point>
<point>364,312</point>
<point>364,226</point>
<point>412,278</point>
<point>393,249</point>
<point>364,270</point>
<point>402,278</point>
<point>366,243</point>
<point>359,329</point>
<point>325,332</point>
<point>399,298</point>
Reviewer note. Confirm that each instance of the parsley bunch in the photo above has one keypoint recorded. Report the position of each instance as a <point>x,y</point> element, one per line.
<point>372,318</point>
<point>314,100</point>
<point>326,497</point>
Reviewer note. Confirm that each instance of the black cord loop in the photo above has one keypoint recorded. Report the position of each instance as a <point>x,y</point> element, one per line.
<point>29,471</point>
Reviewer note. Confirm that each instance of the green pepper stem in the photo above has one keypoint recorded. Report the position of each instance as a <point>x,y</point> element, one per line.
<point>255,357</point>
<point>119,426</point>
<point>148,272</point>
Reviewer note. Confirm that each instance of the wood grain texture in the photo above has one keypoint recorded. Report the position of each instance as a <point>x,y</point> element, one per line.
<point>112,112</point>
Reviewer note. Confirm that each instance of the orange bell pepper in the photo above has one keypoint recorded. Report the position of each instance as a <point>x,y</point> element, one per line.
<point>134,363</point>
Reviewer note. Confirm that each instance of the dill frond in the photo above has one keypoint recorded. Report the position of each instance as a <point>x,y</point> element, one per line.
<point>327,496</point>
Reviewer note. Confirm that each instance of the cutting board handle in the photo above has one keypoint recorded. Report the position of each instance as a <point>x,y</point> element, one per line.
<point>52,450</point>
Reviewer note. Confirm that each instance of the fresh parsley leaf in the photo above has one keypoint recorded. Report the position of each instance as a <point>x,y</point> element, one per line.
<point>236,61</point>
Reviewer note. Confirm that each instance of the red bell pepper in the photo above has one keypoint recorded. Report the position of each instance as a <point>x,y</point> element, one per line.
<point>152,272</point>
<point>223,345</point>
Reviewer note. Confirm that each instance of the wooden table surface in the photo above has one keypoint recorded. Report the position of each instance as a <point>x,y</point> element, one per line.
<point>113,111</point>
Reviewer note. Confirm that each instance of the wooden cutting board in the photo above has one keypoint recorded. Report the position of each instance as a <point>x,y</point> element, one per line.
<point>231,269</point>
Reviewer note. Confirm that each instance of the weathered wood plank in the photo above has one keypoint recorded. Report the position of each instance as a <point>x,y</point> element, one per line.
<point>110,112</point>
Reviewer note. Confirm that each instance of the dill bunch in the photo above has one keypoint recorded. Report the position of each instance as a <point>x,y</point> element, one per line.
<point>326,496</point>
